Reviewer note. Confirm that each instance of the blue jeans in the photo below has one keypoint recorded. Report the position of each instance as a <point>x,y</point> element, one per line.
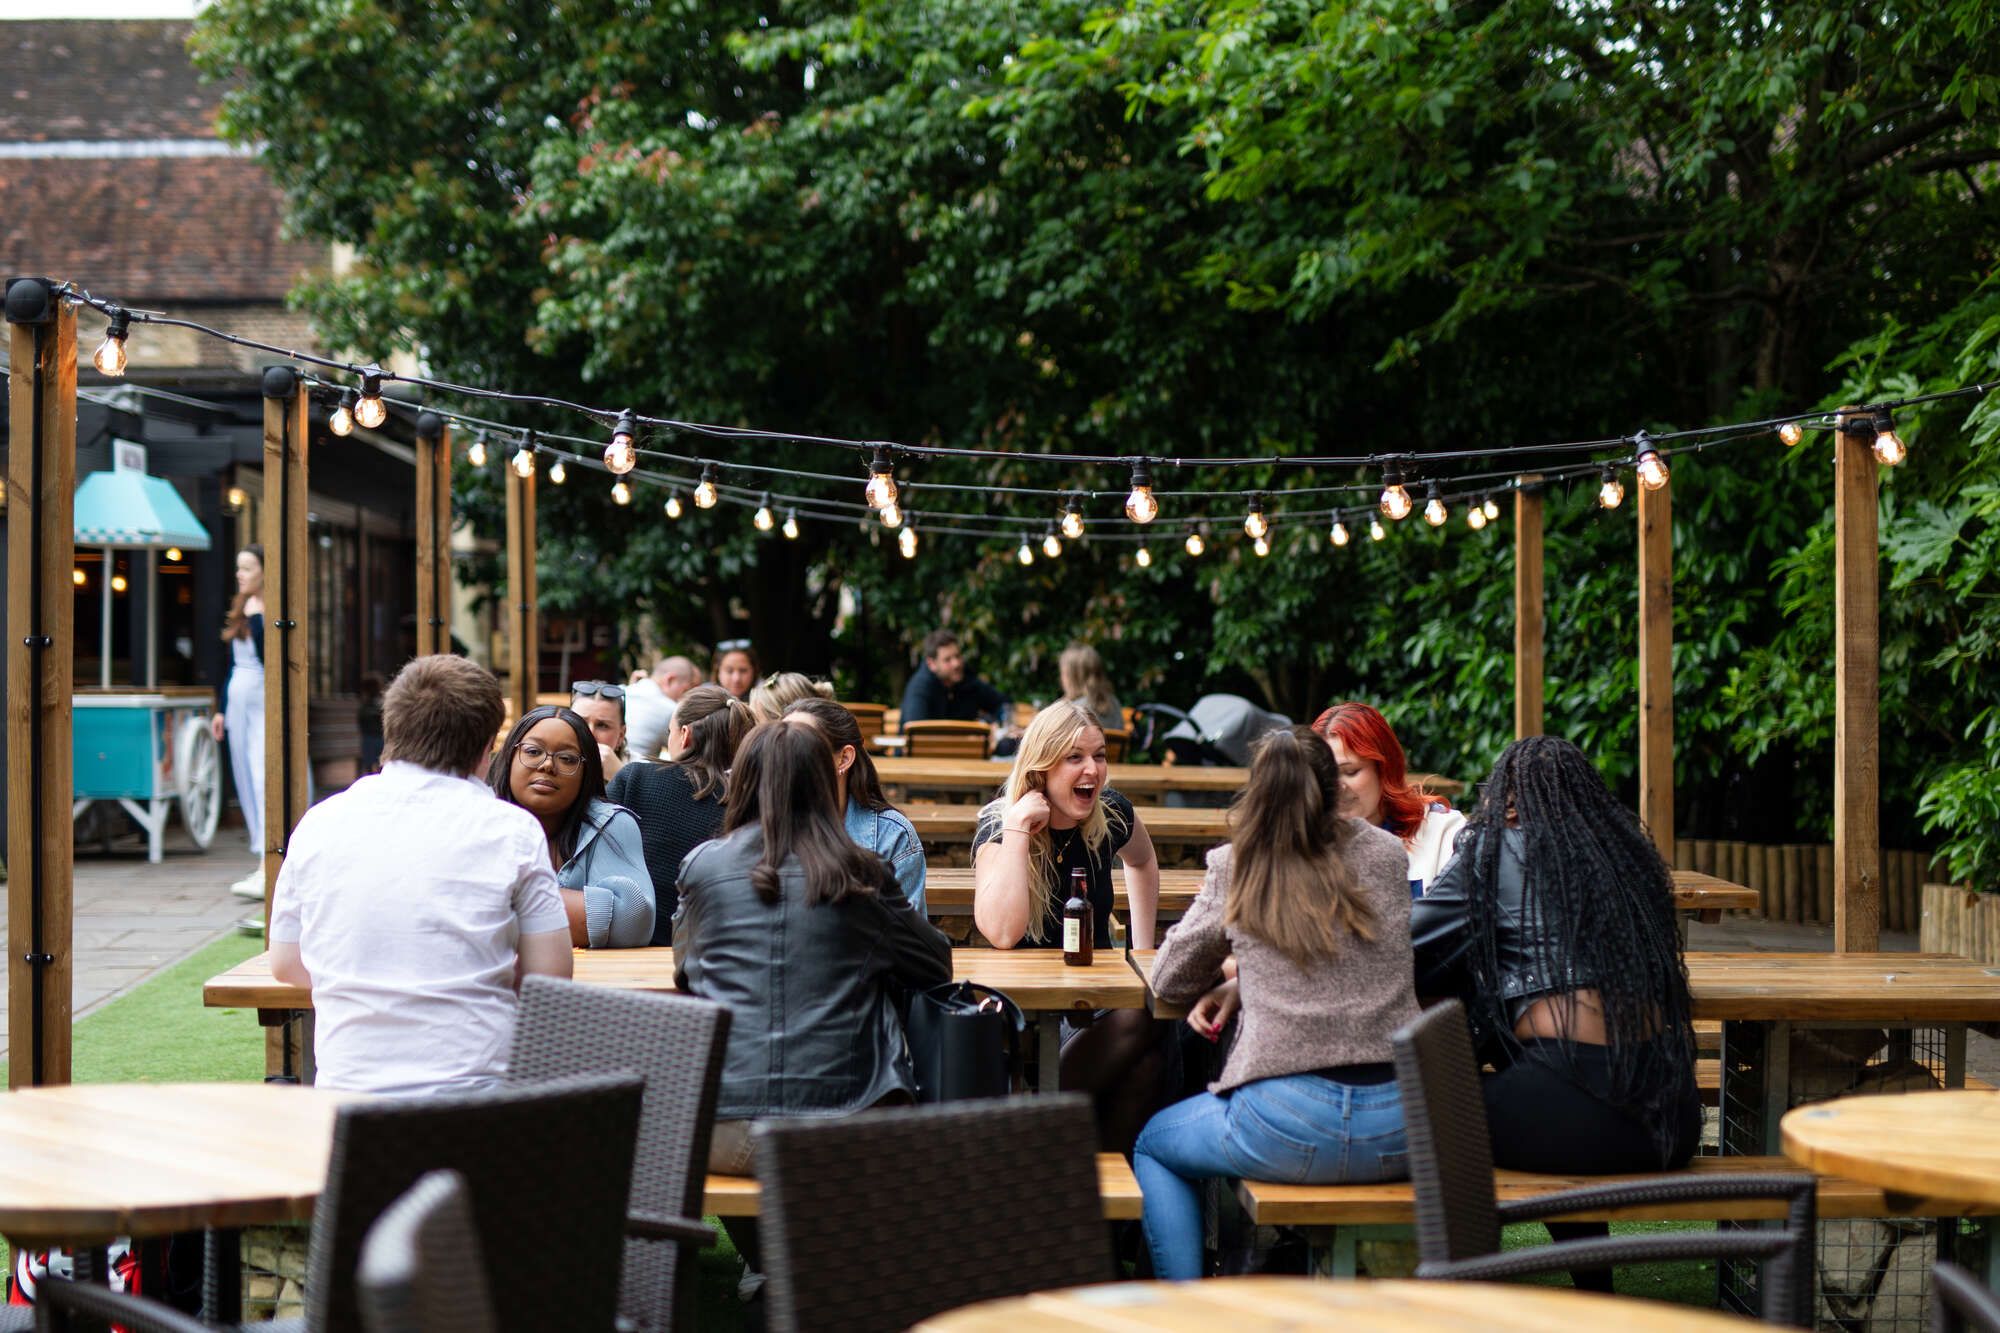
<point>1300,1129</point>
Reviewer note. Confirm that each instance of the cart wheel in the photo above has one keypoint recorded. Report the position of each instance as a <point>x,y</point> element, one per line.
<point>198,773</point>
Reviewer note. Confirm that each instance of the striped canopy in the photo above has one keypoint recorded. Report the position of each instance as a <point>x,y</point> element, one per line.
<point>134,511</point>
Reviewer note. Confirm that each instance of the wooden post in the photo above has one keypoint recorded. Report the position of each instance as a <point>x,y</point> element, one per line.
<point>433,535</point>
<point>41,655</point>
<point>287,584</point>
<point>1528,620</point>
<point>1857,664</point>
<point>1656,665</point>
<point>523,624</point>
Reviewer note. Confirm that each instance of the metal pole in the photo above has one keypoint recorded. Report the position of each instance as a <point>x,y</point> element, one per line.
<point>104,626</point>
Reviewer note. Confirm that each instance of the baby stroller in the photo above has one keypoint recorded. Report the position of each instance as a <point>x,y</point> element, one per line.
<point>1219,731</point>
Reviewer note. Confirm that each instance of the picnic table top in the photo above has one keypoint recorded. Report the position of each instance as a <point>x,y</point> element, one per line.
<point>1166,823</point>
<point>1940,1144</point>
<point>988,774</point>
<point>1037,979</point>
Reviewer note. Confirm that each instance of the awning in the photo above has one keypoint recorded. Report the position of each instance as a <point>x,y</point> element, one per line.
<point>135,511</point>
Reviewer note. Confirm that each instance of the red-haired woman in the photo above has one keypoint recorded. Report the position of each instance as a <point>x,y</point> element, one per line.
<point>1375,786</point>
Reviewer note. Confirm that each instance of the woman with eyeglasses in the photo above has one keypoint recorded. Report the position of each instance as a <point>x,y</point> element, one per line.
<point>549,767</point>
<point>601,703</point>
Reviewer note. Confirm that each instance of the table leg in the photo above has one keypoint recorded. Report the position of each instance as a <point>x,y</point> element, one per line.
<point>1954,1055</point>
<point>1048,1051</point>
<point>222,1276</point>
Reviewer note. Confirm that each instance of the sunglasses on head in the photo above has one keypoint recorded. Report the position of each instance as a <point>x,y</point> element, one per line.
<point>732,646</point>
<point>584,689</point>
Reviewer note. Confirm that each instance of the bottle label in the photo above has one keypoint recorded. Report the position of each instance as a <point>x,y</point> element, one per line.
<point>1072,935</point>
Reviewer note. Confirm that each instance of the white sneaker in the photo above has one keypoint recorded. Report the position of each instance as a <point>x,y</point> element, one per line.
<point>250,887</point>
<point>251,925</point>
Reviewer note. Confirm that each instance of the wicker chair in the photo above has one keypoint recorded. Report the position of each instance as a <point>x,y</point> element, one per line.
<point>676,1043</point>
<point>990,1199</point>
<point>553,1160</point>
<point>422,1267</point>
<point>1960,1303</point>
<point>941,739</point>
<point>1459,1221</point>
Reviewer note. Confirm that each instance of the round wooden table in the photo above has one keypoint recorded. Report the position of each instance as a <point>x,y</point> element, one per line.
<point>1257,1304</point>
<point>1939,1145</point>
<point>86,1163</point>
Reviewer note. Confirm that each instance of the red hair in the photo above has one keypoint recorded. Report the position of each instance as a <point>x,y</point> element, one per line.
<point>1366,735</point>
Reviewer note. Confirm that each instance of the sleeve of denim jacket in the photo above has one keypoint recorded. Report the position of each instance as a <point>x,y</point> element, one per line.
<point>618,900</point>
<point>906,856</point>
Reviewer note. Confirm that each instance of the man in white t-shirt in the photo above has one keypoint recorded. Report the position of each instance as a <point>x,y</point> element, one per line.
<point>413,902</point>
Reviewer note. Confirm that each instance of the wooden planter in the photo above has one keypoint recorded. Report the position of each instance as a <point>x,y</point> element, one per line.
<point>1956,920</point>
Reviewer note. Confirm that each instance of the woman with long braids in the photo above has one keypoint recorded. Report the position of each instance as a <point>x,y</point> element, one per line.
<point>1555,923</point>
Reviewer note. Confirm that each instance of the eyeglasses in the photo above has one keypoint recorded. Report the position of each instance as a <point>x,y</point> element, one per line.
<point>584,689</point>
<point>732,646</point>
<point>534,756</point>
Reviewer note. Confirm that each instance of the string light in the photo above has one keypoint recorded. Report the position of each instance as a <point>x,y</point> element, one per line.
<point>173,554</point>
<point>1072,519</point>
<point>1195,545</point>
<point>621,493</point>
<point>118,583</point>
<point>881,490</point>
<point>558,473</point>
<point>1051,544</point>
<point>1490,507</point>
<point>78,577</point>
<point>791,528</point>
<point>1142,557</point>
<point>1254,523</point>
<point>1791,433</point>
<point>1610,491</point>
<point>235,498</point>
<point>763,519</point>
<point>1261,546</point>
<point>673,506</point>
<point>906,542</point>
<point>1026,555</point>
<point>110,357</point>
<point>705,494</point>
<point>1140,506</point>
<point>1376,532</point>
<point>1652,468</point>
<point>622,454</point>
<point>524,459</point>
<point>371,411</point>
<point>1888,448</point>
<point>891,515</point>
<point>475,453</point>
<point>341,422</point>
<point>1395,500</point>
<point>1435,512</point>
<point>1475,517</point>
<point>1339,536</point>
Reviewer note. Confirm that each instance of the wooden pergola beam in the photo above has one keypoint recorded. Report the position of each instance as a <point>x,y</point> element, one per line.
<point>1857,669</point>
<point>1656,666</point>
<point>523,622</point>
<point>1529,626</point>
<point>41,653</point>
<point>433,535</point>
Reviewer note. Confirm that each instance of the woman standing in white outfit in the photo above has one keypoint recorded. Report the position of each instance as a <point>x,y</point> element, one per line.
<point>242,718</point>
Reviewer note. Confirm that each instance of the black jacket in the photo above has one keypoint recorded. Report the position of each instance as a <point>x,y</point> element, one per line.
<point>814,1027</point>
<point>928,699</point>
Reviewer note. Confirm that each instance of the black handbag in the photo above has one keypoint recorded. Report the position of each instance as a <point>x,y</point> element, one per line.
<point>965,1042</point>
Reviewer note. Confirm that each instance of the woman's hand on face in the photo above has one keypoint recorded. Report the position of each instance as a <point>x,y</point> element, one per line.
<point>1031,812</point>
<point>1212,1012</point>
<point>215,726</point>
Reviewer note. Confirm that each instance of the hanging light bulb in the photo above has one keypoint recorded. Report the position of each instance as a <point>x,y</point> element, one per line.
<point>1072,519</point>
<point>341,422</point>
<point>110,357</point>
<point>558,473</point>
<point>1339,536</point>
<point>173,554</point>
<point>1888,448</point>
<point>1051,544</point>
<point>1140,506</point>
<point>1195,545</point>
<point>906,542</point>
<point>1395,501</point>
<point>475,453</point>
<point>791,528</point>
<point>118,583</point>
<point>1254,522</point>
<point>1610,491</point>
<point>621,493</point>
<point>1261,546</point>
<point>1490,507</point>
<point>78,577</point>
<point>1652,468</point>
<point>1142,557</point>
<point>881,492</point>
<point>622,454</point>
<point>764,519</point>
<point>371,411</point>
<point>1435,512</point>
<point>1376,532</point>
<point>891,515</point>
<point>1790,434</point>
<point>705,494</point>
<point>1475,517</point>
<point>524,460</point>
<point>1026,555</point>
<point>673,506</point>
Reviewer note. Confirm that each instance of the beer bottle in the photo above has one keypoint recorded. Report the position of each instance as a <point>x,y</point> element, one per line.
<point>1078,933</point>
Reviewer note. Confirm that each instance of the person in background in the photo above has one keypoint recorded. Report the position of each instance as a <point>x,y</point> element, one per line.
<point>602,705</point>
<point>871,821</point>
<point>679,803</point>
<point>1055,814</point>
<point>1555,924</point>
<point>549,766</point>
<point>779,691</point>
<point>1314,907</point>
<point>940,689</point>
<point>412,903</point>
<point>242,715</point>
<point>649,706</point>
<point>1083,677</point>
<point>736,667</point>
<point>1375,787</point>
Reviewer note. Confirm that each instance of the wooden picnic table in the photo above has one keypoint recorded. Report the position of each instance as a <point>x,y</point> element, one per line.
<point>984,776</point>
<point>1166,823</point>
<point>1271,1304</point>
<point>1922,1144</point>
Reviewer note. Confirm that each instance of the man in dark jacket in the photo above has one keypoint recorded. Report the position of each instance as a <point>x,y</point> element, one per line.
<point>941,690</point>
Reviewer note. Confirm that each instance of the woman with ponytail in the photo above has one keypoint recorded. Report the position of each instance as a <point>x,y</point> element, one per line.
<point>1315,907</point>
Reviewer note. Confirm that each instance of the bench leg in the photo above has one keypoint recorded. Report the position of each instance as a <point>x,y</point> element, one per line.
<point>1335,1251</point>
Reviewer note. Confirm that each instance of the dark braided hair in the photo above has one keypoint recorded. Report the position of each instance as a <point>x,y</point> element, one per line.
<point>1599,906</point>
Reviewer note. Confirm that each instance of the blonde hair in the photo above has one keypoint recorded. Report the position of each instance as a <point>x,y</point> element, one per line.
<point>1051,736</point>
<point>1083,677</point>
<point>1289,881</point>
<point>781,689</point>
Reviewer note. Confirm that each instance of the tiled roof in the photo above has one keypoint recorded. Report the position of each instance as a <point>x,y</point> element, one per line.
<point>80,79</point>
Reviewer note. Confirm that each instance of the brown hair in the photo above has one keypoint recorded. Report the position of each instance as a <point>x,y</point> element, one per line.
<point>717,722</point>
<point>237,626</point>
<point>440,713</point>
<point>937,641</point>
<point>1289,884</point>
<point>1082,676</point>
<point>784,784</point>
<point>864,785</point>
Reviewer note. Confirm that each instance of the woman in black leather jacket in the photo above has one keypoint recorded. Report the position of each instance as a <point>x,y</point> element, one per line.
<point>1555,923</point>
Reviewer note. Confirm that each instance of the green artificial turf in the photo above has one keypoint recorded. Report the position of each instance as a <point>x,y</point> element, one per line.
<point>1689,1283</point>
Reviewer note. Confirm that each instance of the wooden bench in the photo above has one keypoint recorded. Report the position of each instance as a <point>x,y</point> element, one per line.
<point>738,1196</point>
